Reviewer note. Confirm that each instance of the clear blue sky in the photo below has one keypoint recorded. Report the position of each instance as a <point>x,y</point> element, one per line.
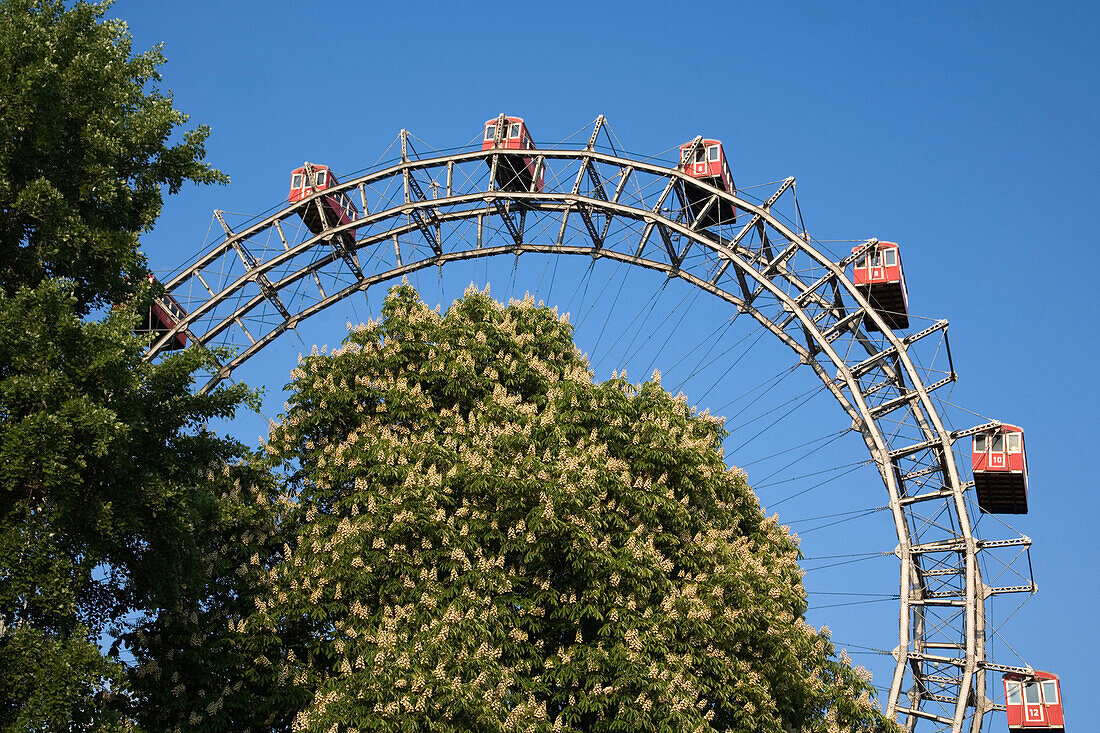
<point>966,132</point>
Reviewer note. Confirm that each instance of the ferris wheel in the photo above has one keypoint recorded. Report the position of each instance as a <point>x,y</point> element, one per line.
<point>846,320</point>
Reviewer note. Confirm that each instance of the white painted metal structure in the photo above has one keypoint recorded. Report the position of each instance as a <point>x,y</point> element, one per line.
<point>426,212</point>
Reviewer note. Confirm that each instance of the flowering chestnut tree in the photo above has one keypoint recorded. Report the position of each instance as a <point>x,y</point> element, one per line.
<point>479,537</point>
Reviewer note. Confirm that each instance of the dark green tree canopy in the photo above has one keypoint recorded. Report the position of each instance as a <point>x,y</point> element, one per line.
<point>84,149</point>
<point>104,500</point>
<point>479,537</point>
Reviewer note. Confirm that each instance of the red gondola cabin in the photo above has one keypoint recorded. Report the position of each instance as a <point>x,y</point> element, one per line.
<point>1000,470</point>
<point>878,275</point>
<point>1033,702</point>
<point>513,172</point>
<point>706,160</point>
<point>338,208</point>
<point>162,317</point>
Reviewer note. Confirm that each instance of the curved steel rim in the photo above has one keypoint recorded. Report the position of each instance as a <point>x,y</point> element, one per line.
<point>770,276</point>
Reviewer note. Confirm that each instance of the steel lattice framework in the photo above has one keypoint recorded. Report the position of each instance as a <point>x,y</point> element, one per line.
<point>256,284</point>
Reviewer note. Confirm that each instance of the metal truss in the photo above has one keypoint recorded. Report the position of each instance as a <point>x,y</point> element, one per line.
<point>256,284</point>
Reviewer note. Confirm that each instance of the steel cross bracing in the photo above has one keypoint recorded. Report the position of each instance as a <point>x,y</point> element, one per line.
<point>256,284</point>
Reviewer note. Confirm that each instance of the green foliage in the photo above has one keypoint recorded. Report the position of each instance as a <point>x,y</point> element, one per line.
<point>94,442</point>
<point>104,501</point>
<point>478,537</point>
<point>57,683</point>
<point>102,465</point>
<point>84,149</point>
<point>193,672</point>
